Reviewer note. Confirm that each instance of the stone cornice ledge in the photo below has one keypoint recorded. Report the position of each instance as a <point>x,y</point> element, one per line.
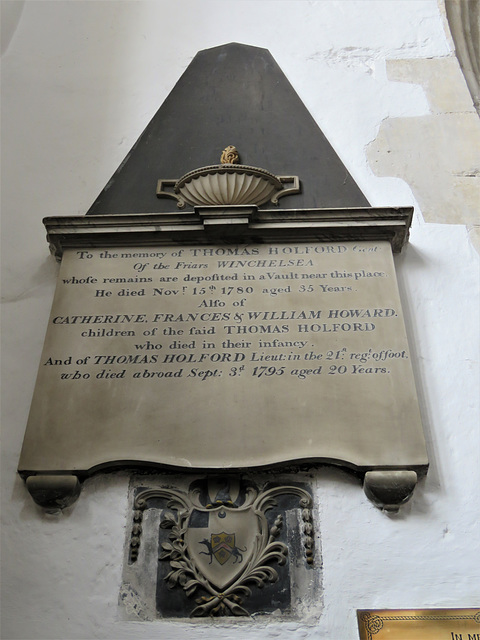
<point>230,224</point>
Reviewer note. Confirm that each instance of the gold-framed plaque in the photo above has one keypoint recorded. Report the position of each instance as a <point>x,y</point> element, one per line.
<point>419,624</point>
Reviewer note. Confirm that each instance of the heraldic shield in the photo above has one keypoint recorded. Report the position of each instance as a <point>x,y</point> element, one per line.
<point>222,549</point>
<point>217,546</point>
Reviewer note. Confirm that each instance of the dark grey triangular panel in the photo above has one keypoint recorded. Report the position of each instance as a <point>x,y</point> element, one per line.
<point>232,94</point>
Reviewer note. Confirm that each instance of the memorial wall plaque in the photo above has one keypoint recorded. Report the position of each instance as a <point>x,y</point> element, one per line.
<point>216,356</point>
<point>226,356</point>
<point>225,338</point>
<point>419,624</point>
<point>228,334</point>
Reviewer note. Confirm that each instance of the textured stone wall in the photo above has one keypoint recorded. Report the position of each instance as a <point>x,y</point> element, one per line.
<point>80,80</point>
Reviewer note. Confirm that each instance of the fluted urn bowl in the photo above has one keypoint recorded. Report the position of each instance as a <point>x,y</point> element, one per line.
<point>227,184</point>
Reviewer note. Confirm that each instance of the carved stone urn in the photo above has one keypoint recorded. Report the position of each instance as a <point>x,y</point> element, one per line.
<point>228,183</point>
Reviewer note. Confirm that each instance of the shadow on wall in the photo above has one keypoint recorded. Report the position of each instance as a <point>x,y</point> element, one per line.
<point>10,14</point>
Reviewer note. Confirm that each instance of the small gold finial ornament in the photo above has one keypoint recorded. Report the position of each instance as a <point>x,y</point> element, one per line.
<point>230,155</point>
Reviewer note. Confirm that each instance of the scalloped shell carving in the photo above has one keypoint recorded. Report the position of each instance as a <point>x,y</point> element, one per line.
<point>228,186</point>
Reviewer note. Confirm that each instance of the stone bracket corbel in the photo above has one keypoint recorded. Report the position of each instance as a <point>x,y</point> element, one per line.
<point>53,492</point>
<point>162,184</point>
<point>226,219</point>
<point>287,192</point>
<point>388,490</point>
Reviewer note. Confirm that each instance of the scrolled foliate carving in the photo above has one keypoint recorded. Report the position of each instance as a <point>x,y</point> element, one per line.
<point>219,549</point>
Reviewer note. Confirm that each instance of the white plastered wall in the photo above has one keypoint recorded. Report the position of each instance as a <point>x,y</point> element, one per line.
<point>80,80</point>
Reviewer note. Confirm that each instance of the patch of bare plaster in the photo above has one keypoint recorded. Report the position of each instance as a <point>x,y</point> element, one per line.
<point>441,78</point>
<point>437,154</point>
